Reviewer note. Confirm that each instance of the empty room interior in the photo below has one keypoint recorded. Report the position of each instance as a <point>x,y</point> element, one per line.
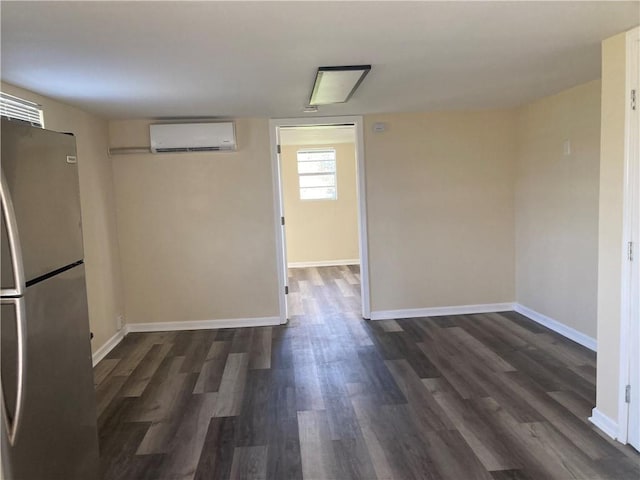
<point>320,240</point>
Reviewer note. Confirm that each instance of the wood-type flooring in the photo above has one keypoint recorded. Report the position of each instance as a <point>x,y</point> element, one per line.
<point>332,396</point>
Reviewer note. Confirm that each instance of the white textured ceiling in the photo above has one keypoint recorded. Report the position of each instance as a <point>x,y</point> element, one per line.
<point>165,59</point>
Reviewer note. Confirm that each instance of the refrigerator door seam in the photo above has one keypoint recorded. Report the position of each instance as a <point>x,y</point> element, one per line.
<point>53,273</point>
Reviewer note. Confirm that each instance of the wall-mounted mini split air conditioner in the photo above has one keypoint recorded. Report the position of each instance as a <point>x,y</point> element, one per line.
<point>192,137</point>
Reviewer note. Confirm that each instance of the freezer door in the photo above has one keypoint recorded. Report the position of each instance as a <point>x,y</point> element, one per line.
<point>11,261</point>
<point>41,179</point>
<point>13,282</point>
<point>55,436</point>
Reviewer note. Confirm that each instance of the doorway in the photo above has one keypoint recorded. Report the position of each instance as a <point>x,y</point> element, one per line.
<point>319,200</point>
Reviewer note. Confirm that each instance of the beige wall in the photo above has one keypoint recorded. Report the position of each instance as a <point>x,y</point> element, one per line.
<point>557,206</point>
<point>440,208</point>
<point>196,230</point>
<point>98,210</point>
<point>321,230</point>
<point>195,246</point>
<point>610,230</point>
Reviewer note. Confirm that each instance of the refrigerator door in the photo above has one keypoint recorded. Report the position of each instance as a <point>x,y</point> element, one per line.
<point>41,178</point>
<point>56,434</point>
<point>12,365</point>
<point>13,283</point>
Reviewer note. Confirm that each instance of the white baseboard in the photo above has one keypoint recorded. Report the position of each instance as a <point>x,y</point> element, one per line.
<point>202,324</point>
<point>558,327</point>
<point>109,345</point>
<point>604,423</point>
<point>325,263</point>
<point>438,311</point>
<point>113,342</point>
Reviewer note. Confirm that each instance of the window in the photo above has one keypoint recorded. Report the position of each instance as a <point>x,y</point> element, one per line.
<point>317,174</point>
<point>20,109</point>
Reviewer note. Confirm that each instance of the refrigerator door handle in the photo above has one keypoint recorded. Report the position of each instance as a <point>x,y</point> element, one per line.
<point>14,243</point>
<point>12,425</point>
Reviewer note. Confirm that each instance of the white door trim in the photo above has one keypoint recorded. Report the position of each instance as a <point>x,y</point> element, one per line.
<point>357,121</point>
<point>278,211</point>
<point>630,195</point>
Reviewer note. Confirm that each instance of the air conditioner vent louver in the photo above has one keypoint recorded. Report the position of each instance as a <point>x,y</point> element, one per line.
<point>192,149</point>
<point>192,137</point>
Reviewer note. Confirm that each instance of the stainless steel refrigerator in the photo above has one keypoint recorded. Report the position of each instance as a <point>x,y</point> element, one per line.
<point>48,399</point>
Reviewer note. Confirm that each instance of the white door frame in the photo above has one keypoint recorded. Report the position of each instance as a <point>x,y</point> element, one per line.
<point>278,207</point>
<point>631,198</point>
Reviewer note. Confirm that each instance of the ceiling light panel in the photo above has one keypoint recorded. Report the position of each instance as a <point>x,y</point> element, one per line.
<point>337,84</point>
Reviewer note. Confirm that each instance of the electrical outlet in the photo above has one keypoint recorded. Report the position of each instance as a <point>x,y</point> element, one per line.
<point>120,322</point>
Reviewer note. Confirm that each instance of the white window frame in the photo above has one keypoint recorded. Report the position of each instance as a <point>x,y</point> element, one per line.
<point>334,173</point>
<point>17,108</point>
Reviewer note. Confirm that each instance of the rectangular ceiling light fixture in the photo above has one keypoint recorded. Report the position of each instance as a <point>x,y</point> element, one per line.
<point>337,84</point>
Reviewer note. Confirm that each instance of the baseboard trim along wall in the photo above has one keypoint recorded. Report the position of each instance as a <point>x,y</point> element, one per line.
<point>438,311</point>
<point>558,327</point>
<point>550,323</point>
<point>325,263</point>
<point>109,345</point>
<point>604,423</point>
<point>203,324</point>
<point>113,342</point>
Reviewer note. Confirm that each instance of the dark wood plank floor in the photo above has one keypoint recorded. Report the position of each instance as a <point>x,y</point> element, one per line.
<point>331,396</point>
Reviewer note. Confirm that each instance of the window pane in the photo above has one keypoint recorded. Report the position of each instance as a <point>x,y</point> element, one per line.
<point>20,109</point>
<point>312,155</point>
<point>320,166</point>
<point>317,174</point>
<point>317,180</point>
<point>318,193</point>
